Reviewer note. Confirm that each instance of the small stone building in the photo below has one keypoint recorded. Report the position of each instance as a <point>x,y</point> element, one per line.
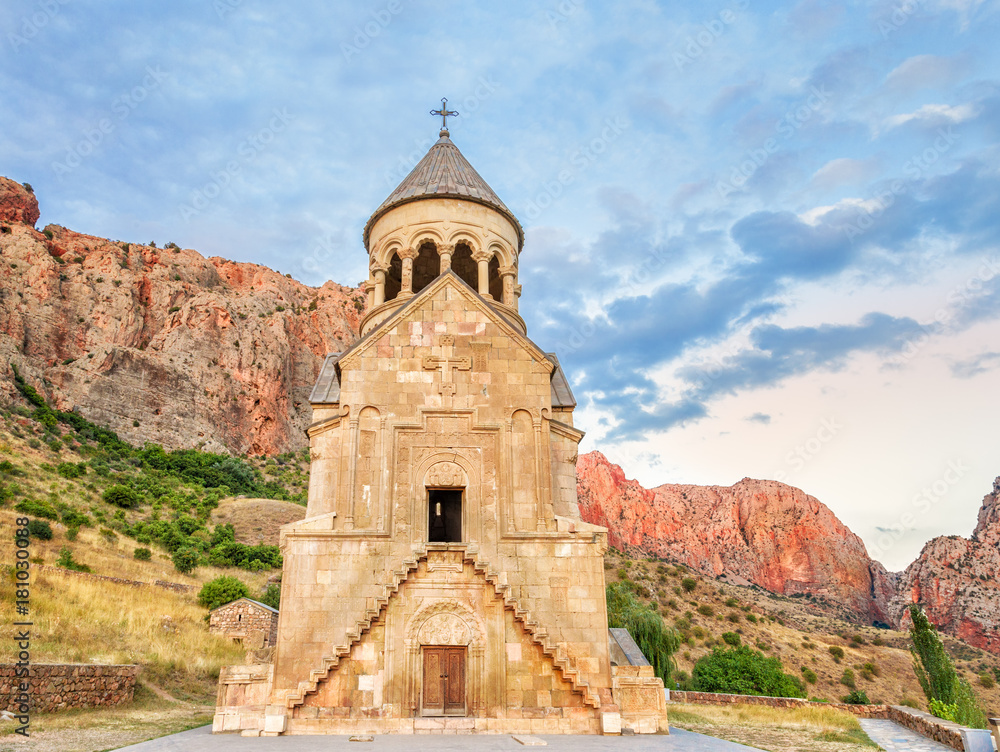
<point>442,580</point>
<point>246,620</point>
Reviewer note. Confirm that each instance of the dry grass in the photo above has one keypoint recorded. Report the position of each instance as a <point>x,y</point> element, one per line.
<point>257,520</point>
<point>79,620</point>
<point>814,729</point>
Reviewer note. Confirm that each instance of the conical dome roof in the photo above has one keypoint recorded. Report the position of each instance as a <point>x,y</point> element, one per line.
<point>444,172</point>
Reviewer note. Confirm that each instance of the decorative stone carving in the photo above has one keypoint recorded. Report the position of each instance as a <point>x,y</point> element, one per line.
<point>445,475</point>
<point>444,629</point>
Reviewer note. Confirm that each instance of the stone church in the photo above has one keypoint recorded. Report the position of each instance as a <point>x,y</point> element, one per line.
<point>442,579</point>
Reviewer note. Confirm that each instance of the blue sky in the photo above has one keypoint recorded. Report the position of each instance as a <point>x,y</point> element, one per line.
<point>764,238</point>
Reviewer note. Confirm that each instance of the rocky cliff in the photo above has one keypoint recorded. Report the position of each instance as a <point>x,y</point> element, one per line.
<point>163,344</point>
<point>955,579</point>
<point>761,531</point>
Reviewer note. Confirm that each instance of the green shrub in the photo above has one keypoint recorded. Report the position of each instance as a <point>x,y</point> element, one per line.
<point>732,638</point>
<point>809,675</point>
<point>837,652</point>
<point>142,554</point>
<point>71,470</point>
<point>222,590</point>
<point>72,532</point>
<point>73,518</point>
<point>689,584</point>
<point>857,697</point>
<point>744,671</point>
<point>655,640</point>
<point>847,678</point>
<point>122,496</point>
<point>185,559</point>
<point>272,596</point>
<point>732,603</point>
<point>752,618</point>
<point>66,561</point>
<point>870,670</point>
<point>986,681</point>
<point>706,610</point>
<point>37,508</point>
<point>947,711</point>
<point>39,529</point>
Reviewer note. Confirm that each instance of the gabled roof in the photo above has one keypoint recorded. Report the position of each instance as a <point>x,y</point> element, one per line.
<point>327,387</point>
<point>251,600</point>
<point>444,172</point>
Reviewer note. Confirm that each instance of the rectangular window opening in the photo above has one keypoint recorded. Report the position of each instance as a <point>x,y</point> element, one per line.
<point>444,515</point>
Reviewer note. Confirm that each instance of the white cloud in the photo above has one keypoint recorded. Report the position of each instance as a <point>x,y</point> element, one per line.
<point>941,113</point>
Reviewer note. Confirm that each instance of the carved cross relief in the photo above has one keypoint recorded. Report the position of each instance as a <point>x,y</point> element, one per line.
<point>446,363</point>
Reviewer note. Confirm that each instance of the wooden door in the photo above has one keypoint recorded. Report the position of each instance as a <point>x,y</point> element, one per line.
<point>444,681</point>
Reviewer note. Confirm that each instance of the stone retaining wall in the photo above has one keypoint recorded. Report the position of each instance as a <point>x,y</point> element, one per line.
<point>175,586</point>
<point>60,686</point>
<point>938,729</point>
<point>711,698</point>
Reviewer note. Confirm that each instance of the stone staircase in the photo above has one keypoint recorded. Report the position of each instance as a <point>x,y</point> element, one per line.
<point>538,633</point>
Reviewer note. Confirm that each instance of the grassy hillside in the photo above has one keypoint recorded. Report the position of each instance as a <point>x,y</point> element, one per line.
<point>69,474</point>
<point>800,633</point>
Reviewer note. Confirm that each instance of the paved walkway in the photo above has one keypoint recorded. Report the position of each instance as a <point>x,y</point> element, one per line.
<point>201,740</point>
<point>895,738</point>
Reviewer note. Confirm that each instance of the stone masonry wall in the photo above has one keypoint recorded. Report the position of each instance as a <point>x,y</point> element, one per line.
<point>54,686</point>
<point>177,587</point>
<point>938,729</point>
<point>240,619</point>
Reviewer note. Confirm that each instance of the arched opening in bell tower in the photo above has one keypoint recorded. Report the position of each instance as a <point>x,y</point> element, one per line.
<point>496,283</point>
<point>426,266</point>
<point>394,277</point>
<point>465,266</point>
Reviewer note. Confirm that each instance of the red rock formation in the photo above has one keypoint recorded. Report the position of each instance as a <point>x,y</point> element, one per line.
<point>198,352</point>
<point>955,579</point>
<point>761,531</point>
<point>17,204</point>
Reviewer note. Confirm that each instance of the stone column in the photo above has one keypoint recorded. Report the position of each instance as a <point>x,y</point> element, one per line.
<point>407,257</point>
<point>508,274</point>
<point>445,252</point>
<point>379,292</point>
<point>483,259</point>
<point>370,294</point>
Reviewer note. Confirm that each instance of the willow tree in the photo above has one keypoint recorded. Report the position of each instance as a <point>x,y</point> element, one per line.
<point>656,641</point>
